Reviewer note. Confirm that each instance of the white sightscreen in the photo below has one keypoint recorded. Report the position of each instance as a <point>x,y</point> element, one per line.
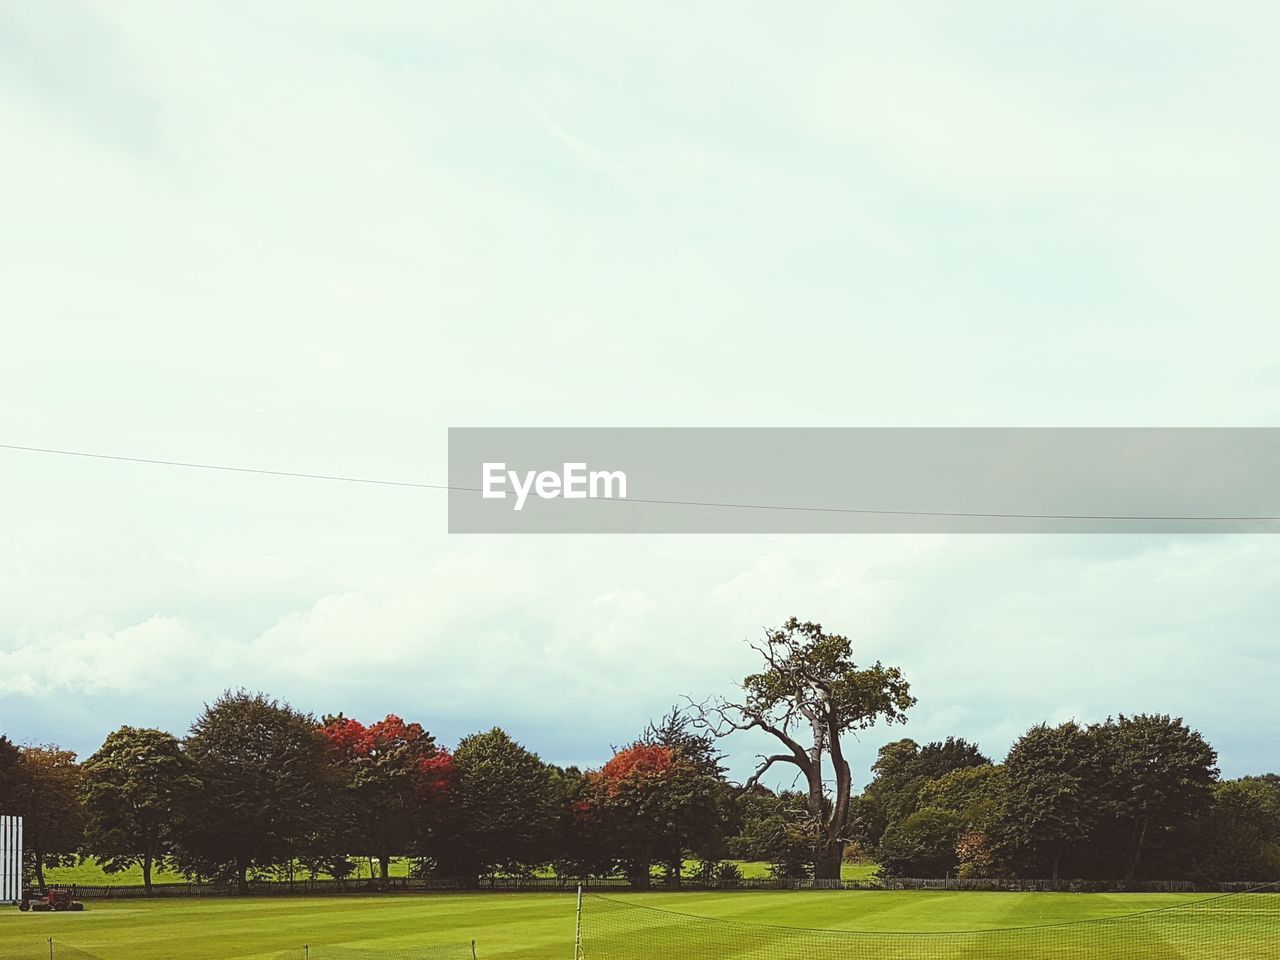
<point>10,859</point>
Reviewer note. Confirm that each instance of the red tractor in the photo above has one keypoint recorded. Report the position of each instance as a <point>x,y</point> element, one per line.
<point>49,901</point>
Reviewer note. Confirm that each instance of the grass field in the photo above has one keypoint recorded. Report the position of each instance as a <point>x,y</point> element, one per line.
<point>540,926</point>
<point>88,872</point>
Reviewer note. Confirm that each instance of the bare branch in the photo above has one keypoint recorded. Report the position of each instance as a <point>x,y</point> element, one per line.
<point>754,779</point>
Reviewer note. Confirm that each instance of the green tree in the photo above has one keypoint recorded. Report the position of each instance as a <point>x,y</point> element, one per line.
<point>502,811</point>
<point>135,786</point>
<point>900,775</point>
<point>705,840</point>
<point>581,847</point>
<point>46,794</point>
<point>10,771</point>
<point>1239,837</point>
<point>1051,800</point>
<point>265,788</point>
<point>972,792</point>
<point>923,844</point>
<point>777,829</point>
<point>808,697</point>
<point>1159,780</point>
<point>1268,792</point>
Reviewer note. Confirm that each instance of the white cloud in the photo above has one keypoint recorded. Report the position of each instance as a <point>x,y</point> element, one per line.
<point>99,662</point>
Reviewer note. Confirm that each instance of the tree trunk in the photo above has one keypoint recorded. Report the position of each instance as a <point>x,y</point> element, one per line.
<point>146,872</point>
<point>384,867</point>
<point>1137,851</point>
<point>40,873</point>
<point>639,875</point>
<point>1057,857</point>
<point>826,865</point>
<point>242,877</point>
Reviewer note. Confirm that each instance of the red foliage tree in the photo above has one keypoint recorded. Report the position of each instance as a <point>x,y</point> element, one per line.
<point>636,763</point>
<point>396,777</point>
<point>646,799</point>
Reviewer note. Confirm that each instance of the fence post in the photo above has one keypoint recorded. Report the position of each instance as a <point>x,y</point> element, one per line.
<point>577,931</point>
<point>473,950</point>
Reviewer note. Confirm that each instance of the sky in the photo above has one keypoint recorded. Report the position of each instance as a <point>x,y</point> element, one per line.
<point>313,236</point>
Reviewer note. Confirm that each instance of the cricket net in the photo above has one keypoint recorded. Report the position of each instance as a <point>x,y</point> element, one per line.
<point>1243,926</point>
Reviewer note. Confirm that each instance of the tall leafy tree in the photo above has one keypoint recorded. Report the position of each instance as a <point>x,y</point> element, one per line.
<point>46,794</point>
<point>264,788</point>
<point>394,775</point>
<point>1052,798</point>
<point>502,813</point>
<point>135,788</point>
<point>1159,780</point>
<point>808,697</point>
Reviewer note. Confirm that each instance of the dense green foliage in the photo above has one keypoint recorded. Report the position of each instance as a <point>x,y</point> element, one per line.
<point>266,788</point>
<point>135,787</point>
<point>1119,799</point>
<point>10,767</point>
<point>922,844</point>
<point>775,828</point>
<point>502,809</point>
<point>1125,799</point>
<point>44,789</point>
<point>902,772</point>
<point>1241,833</point>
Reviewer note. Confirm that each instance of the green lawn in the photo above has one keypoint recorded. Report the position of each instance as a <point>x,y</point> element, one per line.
<point>848,871</point>
<point>88,872</point>
<point>626,927</point>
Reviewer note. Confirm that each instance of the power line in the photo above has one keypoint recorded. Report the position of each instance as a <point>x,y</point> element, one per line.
<point>231,469</point>
<point>867,511</point>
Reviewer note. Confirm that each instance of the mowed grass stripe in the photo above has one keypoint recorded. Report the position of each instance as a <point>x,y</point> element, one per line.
<point>540,926</point>
<point>869,910</point>
<point>224,929</point>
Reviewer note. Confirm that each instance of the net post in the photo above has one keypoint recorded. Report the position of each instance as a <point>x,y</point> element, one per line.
<point>51,948</point>
<point>473,950</point>
<point>577,928</point>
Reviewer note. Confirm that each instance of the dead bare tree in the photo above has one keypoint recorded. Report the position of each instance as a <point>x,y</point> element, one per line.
<point>810,683</point>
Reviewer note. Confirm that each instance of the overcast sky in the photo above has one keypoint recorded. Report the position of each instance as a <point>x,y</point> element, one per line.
<point>313,236</point>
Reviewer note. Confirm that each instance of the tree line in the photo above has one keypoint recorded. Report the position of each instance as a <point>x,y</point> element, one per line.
<point>257,788</point>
